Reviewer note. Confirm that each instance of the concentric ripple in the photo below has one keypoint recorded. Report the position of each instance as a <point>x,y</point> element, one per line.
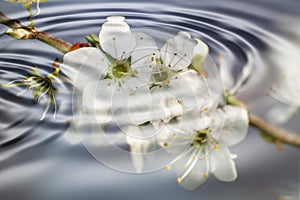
<point>236,36</point>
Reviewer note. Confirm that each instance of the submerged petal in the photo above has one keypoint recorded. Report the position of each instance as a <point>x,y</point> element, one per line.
<point>97,98</point>
<point>222,164</point>
<point>84,65</point>
<point>138,145</point>
<point>135,103</point>
<point>191,90</point>
<point>177,53</point>
<point>166,105</point>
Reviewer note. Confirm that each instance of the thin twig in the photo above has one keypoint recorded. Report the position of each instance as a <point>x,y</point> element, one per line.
<point>57,43</point>
<point>14,24</point>
<point>284,135</point>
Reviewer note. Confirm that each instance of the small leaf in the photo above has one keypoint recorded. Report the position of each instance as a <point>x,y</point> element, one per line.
<point>267,137</point>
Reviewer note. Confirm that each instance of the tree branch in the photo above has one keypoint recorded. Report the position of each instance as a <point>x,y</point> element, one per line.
<point>284,135</point>
<point>20,31</point>
<point>10,23</point>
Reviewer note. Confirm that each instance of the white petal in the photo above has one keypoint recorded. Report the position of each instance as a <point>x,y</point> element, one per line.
<point>97,98</point>
<point>200,54</point>
<point>84,65</point>
<point>222,165</point>
<point>193,175</point>
<point>114,27</point>
<point>235,127</point>
<point>141,57</point>
<point>119,46</point>
<point>215,85</point>
<point>190,89</point>
<point>178,51</point>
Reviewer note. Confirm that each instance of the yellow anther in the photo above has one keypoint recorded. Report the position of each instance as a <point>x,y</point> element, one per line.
<point>205,175</point>
<point>168,167</point>
<point>174,135</point>
<point>205,158</point>
<point>216,146</point>
<point>179,180</point>
<point>166,144</point>
<point>206,108</point>
<point>213,121</point>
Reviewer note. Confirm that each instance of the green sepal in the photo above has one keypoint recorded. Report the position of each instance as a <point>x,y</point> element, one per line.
<point>93,40</point>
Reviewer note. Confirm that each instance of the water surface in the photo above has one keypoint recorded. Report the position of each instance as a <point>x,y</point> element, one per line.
<point>37,162</point>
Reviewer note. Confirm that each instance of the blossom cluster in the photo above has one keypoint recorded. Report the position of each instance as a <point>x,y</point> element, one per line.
<point>159,98</point>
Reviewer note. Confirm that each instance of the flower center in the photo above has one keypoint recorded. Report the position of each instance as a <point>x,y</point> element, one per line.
<point>120,68</point>
<point>200,137</point>
<point>161,74</point>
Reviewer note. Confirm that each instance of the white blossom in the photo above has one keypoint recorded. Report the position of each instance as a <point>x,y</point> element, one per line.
<point>201,141</point>
<point>128,82</point>
<point>287,93</point>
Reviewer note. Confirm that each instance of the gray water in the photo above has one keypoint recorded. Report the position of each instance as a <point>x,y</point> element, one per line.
<point>37,162</point>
